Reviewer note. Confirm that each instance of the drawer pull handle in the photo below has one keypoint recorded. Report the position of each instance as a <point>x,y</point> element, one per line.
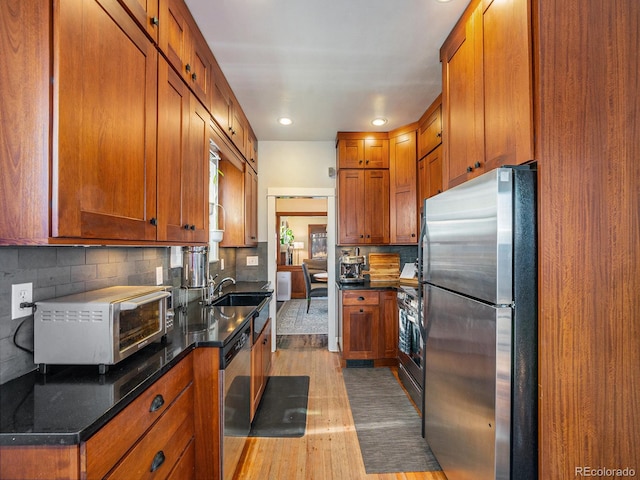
<point>158,460</point>
<point>361,299</point>
<point>157,402</point>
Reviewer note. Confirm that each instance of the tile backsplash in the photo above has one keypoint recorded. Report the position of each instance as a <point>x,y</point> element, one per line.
<point>58,271</point>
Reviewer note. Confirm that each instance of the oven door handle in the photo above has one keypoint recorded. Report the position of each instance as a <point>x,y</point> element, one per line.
<point>139,301</point>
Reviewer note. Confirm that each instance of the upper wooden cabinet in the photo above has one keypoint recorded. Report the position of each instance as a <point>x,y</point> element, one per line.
<point>487,89</point>
<point>146,13</point>
<point>250,206</point>
<point>186,49</point>
<point>508,83</point>
<point>462,103</point>
<point>430,128</point>
<point>104,116</point>
<point>430,175</point>
<point>252,150</point>
<point>363,150</point>
<point>403,217</point>
<point>227,113</point>
<point>363,207</point>
<point>183,161</point>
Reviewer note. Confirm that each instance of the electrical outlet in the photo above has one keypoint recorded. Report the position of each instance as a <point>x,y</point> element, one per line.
<point>252,260</point>
<point>159,276</point>
<point>20,293</point>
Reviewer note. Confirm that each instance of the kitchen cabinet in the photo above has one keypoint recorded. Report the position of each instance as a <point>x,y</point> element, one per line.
<point>508,82</point>
<point>363,207</point>
<point>252,150</point>
<point>430,175</point>
<point>430,128</point>
<point>363,150</point>
<point>403,185</point>
<point>370,325</point>
<point>250,206</point>
<point>226,111</point>
<point>103,179</point>
<point>160,419</point>
<point>260,366</point>
<point>186,49</point>
<point>146,14</point>
<point>487,97</point>
<point>183,161</point>
<point>462,101</point>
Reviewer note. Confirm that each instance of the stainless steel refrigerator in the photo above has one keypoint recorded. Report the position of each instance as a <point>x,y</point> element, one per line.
<point>479,285</point>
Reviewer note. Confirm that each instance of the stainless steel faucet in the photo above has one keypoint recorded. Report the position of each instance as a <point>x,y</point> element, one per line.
<point>222,282</point>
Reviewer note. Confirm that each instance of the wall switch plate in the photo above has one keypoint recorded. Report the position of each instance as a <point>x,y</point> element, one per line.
<point>20,293</point>
<point>159,276</point>
<point>252,260</point>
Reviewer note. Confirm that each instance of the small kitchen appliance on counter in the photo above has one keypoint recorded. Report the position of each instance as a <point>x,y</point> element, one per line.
<point>100,327</point>
<point>351,267</point>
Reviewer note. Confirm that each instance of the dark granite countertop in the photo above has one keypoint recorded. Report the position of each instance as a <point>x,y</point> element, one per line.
<point>367,285</point>
<point>71,403</point>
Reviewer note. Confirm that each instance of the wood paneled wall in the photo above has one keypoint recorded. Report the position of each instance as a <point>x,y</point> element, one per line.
<point>587,95</point>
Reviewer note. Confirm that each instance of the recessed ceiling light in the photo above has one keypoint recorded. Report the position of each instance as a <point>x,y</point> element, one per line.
<point>378,122</point>
<point>285,121</point>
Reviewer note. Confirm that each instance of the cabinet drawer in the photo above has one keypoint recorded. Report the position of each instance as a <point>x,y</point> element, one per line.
<point>360,297</point>
<point>111,442</point>
<point>160,449</point>
<point>185,469</point>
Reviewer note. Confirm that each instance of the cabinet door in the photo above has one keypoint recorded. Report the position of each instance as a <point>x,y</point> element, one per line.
<point>402,196</point>
<point>221,100</point>
<point>252,150</point>
<point>251,206</point>
<point>173,127</point>
<point>104,167</point>
<point>376,206</point>
<point>376,153</point>
<point>462,100</point>
<point>239,127</point>
<point>434,172</point>
<point>388,324</point>
<point>351,214</point>
<point>195,176</point>
<point>145,13</point>
<point>200,65</point>
<point>232,196</point>
<point>350,153</point>
<point>508,116</point>
<point>360,332</point>
<point>257,376</point>
<point>174,33</point>
<point>430,132</point>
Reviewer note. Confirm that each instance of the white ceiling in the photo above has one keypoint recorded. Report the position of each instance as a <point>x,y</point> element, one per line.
<point>330,65</point>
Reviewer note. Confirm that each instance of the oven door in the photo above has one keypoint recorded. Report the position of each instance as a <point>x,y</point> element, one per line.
<point>137,322</point>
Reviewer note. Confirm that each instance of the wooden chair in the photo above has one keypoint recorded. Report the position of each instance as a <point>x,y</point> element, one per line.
<point>312,291</point>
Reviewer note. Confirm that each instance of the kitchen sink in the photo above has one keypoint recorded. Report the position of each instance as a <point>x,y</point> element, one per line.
<point>240,300</point>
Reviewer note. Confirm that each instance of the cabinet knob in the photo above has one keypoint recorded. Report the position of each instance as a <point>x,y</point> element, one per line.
<point>477,164</point>
<point>157,462</point>
<point>366,162</point>
<point>192,227</point>
<point>439,190</point>
<point>156,403</point>
<point>154,221</point>
<point>361,311</point>
<point>264,342</point>
<point>413,235</point>
<point>154,21</point>
<point>469,169</point>
<point>186,226</point>
<point>194,77</point>
<point>439,134</point>
<point>361,236</point>
<point>187,67</point>
<point>368,236</point>
<point>359,162</point>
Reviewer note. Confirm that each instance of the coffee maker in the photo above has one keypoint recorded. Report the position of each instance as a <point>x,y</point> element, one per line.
<point>351,267</point>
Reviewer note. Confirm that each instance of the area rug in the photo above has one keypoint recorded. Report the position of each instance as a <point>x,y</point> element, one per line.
<point>283,409</point>
<point>389,427</point>
<point>293,319</point>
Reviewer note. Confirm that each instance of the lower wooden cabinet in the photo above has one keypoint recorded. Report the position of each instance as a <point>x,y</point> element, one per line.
<point>260,366</point>
<point>369,325</point>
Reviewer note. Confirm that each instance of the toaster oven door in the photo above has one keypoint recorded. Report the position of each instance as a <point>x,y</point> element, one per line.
<point>139,321</point>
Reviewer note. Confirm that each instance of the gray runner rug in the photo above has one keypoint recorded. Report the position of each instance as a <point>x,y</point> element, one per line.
<point>389,427</point>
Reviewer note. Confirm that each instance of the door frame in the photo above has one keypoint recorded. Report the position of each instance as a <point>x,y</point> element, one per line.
<point>272,244</point>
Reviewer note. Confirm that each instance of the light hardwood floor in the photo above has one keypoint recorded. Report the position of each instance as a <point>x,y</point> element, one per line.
<point>329,449</point>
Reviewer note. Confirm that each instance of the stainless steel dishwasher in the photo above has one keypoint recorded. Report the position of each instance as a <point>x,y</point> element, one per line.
<point>235,390</point>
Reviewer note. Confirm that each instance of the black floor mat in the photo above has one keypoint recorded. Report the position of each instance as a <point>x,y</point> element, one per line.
<point>283,409</point>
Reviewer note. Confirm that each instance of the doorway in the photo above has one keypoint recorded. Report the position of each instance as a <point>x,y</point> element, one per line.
<point>274,249</point>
